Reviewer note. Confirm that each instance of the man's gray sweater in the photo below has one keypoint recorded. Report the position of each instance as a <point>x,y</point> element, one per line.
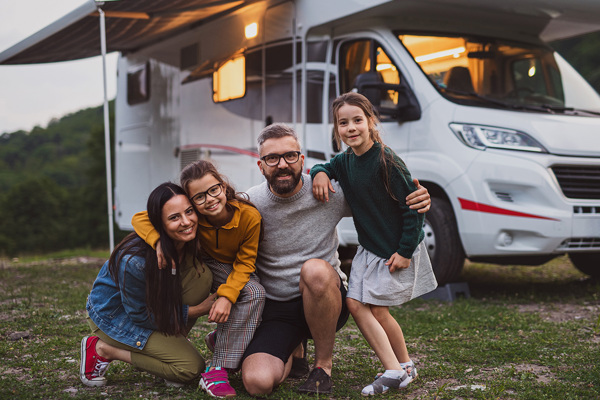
<point>296,229</point>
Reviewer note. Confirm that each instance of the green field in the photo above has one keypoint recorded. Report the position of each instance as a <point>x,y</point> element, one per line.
<point>525,333</point>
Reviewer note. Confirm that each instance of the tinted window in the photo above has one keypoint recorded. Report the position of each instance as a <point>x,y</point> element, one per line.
<point>138,84</point>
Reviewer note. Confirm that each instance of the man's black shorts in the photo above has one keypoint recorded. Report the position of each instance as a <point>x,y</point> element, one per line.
<point>284,327</point>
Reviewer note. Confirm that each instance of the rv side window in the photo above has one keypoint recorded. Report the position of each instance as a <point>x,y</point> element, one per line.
<point>316,51</point>
<point>138,84</point>
<point>249,106</point>
<point>229,80</point>
<point>315,79</point>
<point>279,65</point>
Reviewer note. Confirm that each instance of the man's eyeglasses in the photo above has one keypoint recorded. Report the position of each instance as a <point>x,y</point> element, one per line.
<point>213,191</point>
<point>272,160</point>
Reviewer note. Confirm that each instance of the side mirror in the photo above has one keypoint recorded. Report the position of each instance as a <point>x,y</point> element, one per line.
<point>407,108</point>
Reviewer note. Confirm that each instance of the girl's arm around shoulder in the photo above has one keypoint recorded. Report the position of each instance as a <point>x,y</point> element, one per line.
<point>330,168</point>
<point>144,228</point>
<point>321,186</point>
<point>321,175</point>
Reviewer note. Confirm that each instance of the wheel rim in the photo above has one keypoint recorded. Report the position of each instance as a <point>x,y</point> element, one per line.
<point>429,238</point>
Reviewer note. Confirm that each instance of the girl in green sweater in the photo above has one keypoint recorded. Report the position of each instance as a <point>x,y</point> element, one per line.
<point>391,265</point>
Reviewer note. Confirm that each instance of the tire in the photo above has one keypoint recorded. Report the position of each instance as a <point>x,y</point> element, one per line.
<point>443,243</point>
<point>588,263</point>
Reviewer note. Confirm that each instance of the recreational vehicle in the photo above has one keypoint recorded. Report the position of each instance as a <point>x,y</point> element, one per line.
<point>503,132</point>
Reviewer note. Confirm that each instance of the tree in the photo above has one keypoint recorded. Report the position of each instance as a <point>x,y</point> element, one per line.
<point>53,185</point>
<point>35,217</point>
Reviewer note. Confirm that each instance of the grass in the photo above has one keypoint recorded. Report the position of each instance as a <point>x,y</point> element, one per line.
<point>525,333</point>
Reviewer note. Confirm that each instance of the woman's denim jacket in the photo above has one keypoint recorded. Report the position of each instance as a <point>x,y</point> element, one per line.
<point>121,313</point>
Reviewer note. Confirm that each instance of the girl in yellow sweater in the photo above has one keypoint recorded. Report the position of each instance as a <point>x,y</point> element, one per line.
<point>228,231</point>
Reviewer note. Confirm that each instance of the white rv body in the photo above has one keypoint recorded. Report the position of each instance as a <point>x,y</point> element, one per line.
<point>494,202</point>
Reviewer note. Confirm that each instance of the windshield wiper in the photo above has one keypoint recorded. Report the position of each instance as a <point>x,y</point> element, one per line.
<point>476,95</point>
<point>573,110</point>
<point>490,100</point>
<point>546,108</point>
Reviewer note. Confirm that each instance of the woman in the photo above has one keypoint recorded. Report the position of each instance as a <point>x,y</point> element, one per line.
<point>141,314</point>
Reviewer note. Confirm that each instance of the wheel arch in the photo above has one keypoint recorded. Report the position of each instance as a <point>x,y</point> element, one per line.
<point>442,235</point>
<point>437,191</point>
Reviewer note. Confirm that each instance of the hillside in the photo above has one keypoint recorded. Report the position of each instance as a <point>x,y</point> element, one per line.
<point>53,186</point>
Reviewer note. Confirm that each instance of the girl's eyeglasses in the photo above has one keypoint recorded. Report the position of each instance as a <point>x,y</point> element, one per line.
<point>213,191</point>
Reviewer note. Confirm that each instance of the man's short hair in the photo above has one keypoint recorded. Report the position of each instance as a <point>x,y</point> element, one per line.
<point>275,131</point>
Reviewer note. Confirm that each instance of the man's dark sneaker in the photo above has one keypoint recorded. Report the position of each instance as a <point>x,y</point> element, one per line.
<point>300,364</point>
<point>299,368</point>
<point>318,382</point>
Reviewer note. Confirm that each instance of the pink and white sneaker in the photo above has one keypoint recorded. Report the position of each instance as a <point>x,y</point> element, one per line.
<point>216,383</point>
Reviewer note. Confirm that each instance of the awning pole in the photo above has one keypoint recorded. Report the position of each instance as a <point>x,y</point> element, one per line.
<point>109,198</point>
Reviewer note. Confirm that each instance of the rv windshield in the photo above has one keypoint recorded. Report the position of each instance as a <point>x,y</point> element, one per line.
<point>495,73</point>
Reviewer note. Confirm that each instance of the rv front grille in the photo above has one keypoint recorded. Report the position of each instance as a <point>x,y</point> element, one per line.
<point>591,243</point>
<point>578,182</point>
<point>586,210</point>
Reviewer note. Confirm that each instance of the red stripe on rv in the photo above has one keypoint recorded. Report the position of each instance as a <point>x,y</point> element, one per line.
<point>473,206</point>
<point>221,147</point>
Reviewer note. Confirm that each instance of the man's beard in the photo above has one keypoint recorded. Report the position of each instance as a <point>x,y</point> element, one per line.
<point>283,187</point>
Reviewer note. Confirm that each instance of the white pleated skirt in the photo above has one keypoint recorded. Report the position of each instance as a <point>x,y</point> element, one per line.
<point>372,283</point>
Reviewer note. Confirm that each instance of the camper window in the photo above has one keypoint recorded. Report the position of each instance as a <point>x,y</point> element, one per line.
<point>229,80</point>
<point>279,74</point>
<point>138,84</point>
<point>316,51</point>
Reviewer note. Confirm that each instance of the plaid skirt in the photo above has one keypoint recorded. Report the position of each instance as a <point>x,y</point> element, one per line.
<point>234,335</point>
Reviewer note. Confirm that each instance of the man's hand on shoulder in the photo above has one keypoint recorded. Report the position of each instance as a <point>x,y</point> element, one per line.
<point>420,199</point>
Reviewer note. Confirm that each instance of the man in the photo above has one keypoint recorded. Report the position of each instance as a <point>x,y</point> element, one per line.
<point>298,266</point>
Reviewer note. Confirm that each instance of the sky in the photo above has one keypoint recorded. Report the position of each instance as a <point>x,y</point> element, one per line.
<point>34,94</point>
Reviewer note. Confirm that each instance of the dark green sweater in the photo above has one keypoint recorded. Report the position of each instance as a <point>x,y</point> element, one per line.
<point>385,226</point>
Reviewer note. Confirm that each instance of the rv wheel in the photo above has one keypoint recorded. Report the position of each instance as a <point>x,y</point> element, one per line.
<point>588,263</point>
<point>442,241</point>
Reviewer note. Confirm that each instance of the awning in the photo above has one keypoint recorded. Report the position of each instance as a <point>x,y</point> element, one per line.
<point>130,24</point>
<point>133,24</point>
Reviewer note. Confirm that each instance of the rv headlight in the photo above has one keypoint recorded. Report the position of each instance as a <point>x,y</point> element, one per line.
<point>481,137</point>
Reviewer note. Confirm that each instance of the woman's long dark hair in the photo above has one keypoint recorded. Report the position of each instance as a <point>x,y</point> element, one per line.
<point>163,290</point>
